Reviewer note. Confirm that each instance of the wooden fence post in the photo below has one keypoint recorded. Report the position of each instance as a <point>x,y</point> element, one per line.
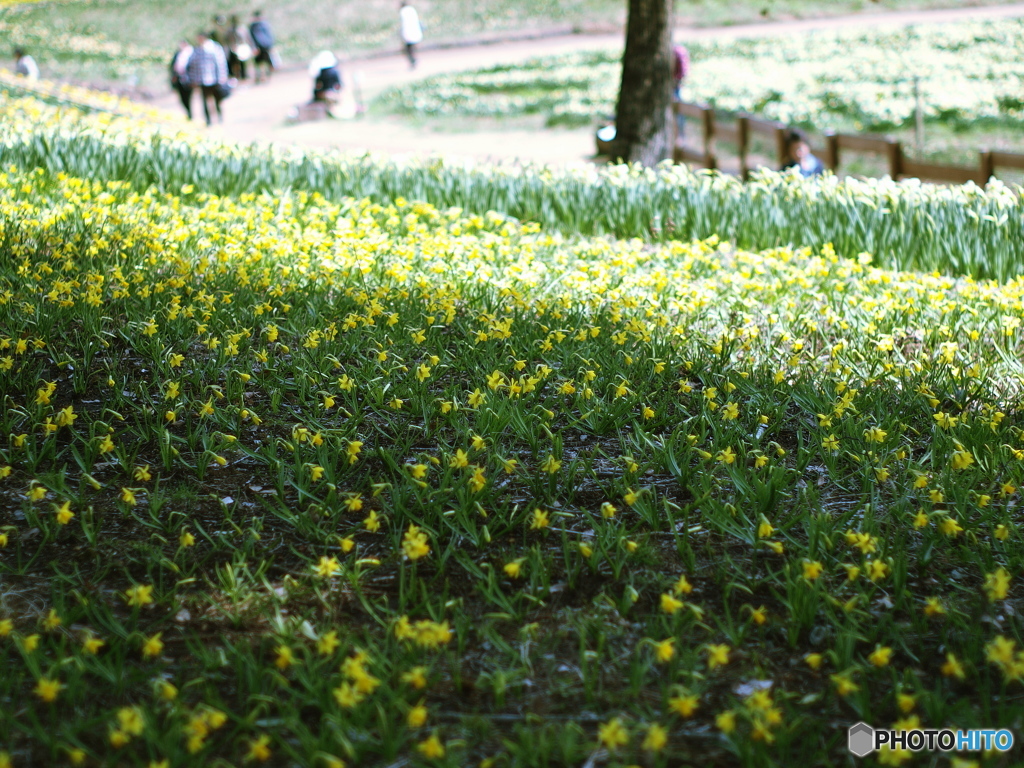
<point>832,151</point>
<point>835,143</point>
<point>781,146</point>
<point>742,140</point>
<point>987,167</point>
<point>708,117</point>
<point>895,152</point>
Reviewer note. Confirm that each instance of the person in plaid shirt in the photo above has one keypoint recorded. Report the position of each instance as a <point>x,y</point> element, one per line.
<point>207,70</point>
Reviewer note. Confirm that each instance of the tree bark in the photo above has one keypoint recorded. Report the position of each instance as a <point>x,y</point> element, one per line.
<point>642,123</point>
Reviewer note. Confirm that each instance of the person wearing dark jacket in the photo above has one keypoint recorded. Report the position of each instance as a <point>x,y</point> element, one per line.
<point>179,76</point>
<point>326,75</point>
<point>263,41</point>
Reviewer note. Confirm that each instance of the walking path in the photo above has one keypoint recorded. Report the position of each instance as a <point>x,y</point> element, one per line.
<point>258,112</point>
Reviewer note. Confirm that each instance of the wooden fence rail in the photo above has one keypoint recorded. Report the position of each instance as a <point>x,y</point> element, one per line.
<point>738,130</point>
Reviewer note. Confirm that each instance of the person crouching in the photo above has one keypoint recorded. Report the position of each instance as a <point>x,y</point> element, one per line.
<point>326,74</point>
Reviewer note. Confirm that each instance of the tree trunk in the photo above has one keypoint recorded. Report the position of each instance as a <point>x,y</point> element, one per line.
<point>642,125</point>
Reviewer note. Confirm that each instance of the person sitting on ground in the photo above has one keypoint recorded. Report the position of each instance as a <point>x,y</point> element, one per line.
<point>325,70</point>
<point>25,65</point>
<point>800,156</point>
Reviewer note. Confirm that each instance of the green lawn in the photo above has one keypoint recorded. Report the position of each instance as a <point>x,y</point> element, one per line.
<point>88,40</point>
<point>968,78</point>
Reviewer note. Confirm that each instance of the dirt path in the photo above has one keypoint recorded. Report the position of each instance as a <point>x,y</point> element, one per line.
<point>259,112</point>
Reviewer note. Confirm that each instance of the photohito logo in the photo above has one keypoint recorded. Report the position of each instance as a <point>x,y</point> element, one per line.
<point>862,739</point>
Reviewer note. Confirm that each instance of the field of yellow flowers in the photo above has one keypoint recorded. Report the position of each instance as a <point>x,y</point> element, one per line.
<point>965,229</point>
<point>296,480</point>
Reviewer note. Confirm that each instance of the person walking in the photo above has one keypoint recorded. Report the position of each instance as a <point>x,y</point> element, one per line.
<point>263,40</point>
<point>219,31</point>
<point>410,29</point>
<point>239,45</point>
<point>25,65</point>
<point>680,69</point>
<point>179,75</point>
<point>207,70</point>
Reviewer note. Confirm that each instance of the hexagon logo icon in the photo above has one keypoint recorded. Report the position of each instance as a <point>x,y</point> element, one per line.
<point>860,739</point>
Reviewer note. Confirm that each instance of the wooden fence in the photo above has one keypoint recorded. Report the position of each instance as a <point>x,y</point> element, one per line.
<point>738,130</point>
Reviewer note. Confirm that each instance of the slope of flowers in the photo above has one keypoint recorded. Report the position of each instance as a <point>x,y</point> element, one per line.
<point>81,98</point>
<point>75,49</point>
<point>293,481</point>
<point>960,230</point>
<point>967,72</point>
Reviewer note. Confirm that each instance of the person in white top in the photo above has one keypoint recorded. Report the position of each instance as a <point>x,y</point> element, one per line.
<point>410,29</point>
<point>25,65</point>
